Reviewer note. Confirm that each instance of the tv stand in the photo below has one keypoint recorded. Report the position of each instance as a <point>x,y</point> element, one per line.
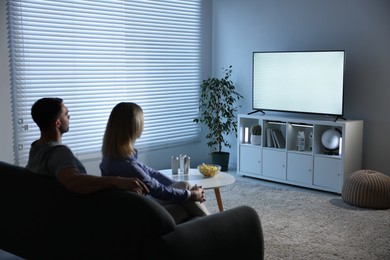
<point>281,158</point>
<point>337,117</point>
<point>258,110</point>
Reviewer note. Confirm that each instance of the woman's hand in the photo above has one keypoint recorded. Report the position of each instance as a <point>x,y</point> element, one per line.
<point>197,194</point>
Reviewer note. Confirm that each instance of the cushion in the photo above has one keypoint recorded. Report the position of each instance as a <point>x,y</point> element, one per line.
<point>367,189</point>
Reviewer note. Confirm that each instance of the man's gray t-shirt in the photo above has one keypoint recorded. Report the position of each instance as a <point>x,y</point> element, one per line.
<point>51,158</point>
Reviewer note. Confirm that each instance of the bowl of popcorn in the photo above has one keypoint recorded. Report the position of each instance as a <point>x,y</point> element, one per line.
<point>209,170</point>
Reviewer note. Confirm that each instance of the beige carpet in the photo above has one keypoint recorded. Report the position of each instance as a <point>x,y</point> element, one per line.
<point>306,224</point>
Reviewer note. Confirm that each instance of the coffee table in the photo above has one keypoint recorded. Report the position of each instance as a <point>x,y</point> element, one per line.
<point>194,177</point>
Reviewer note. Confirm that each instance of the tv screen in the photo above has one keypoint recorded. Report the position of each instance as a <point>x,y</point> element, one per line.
<point>299,81</point>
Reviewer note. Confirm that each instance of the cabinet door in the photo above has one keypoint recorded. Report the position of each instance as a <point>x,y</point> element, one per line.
<point>328,173</point>
<point>250,159</point>
<point>300,168</point>
<point>274,164</point>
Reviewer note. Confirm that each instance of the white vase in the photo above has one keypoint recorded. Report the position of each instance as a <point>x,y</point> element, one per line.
<point>256,139</point>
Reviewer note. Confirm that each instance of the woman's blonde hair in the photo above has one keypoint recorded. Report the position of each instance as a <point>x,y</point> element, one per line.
<point>124,126</point>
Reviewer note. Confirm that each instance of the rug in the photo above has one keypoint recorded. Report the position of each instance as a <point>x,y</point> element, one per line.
<point>302,223</point>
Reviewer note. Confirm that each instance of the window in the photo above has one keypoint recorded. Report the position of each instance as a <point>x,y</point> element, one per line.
<point>95,54</point>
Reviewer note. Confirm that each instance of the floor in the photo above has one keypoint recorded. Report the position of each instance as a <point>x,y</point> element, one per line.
<point>6,256</point>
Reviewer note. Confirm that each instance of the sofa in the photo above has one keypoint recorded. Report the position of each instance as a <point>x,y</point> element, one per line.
<point>40,219</point>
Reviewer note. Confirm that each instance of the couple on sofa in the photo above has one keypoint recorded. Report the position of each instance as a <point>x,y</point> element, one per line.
<point>120,168</point>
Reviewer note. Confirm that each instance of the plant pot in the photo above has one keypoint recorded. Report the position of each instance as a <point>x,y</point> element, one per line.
<point>221,158</point>
<point>256,139</point>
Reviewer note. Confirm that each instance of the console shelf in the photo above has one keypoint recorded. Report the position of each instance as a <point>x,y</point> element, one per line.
<point>280,158</point>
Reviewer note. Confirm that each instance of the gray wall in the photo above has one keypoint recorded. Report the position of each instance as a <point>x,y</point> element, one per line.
<point>6,145</point>
<point>361,27</point>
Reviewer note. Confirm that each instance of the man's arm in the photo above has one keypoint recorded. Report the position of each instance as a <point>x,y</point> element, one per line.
<point>74,181</point>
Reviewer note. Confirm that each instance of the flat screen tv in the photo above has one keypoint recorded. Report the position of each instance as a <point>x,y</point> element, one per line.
<point>299,81</point>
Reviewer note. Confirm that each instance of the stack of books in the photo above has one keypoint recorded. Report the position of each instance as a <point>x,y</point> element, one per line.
<point>275,138</point>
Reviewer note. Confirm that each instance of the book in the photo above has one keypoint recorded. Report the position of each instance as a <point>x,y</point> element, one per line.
<point>279,138</point>
<point>270,142</point>
<point>274,139</point>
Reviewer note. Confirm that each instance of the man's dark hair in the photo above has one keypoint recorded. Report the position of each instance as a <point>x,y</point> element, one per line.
<point>45,111</point>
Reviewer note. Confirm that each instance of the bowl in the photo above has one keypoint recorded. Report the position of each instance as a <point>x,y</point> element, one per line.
<point>209,170</point>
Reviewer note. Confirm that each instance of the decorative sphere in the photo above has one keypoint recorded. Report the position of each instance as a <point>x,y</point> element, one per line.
<point>331,139</point>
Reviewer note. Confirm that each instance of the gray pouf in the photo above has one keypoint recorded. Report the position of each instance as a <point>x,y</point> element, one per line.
<point>367,189</point>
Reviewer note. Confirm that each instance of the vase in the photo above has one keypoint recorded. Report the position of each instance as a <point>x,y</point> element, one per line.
<point>256,139</point>
<point>222,159</point>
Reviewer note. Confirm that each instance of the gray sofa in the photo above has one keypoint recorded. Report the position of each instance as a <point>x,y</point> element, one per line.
<point>39,219</point>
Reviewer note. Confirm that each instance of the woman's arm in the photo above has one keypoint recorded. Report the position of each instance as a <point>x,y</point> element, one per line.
<point>160,177</point>
<point>158,188</point>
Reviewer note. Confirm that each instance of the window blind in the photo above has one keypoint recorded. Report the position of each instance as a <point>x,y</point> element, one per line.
<point>95,54</point>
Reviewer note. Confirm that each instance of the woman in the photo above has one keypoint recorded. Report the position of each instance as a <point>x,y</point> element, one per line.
<point>125,125</point>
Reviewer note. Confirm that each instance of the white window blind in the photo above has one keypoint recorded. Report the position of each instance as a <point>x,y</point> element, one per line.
<point>94,54</point>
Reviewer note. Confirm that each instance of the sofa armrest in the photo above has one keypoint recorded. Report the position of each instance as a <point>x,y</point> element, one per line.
<point>40,219</point>
<point>235,234</point>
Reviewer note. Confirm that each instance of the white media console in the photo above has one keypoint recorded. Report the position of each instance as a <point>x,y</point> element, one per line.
<point>314,167</point>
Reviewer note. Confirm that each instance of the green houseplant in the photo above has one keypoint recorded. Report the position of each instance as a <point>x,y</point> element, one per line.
<point>217,107</point>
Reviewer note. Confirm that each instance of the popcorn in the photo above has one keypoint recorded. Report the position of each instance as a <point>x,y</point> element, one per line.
<point>209,170</point>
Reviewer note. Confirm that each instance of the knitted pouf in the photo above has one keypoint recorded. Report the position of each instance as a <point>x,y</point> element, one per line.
<point>367,189</point>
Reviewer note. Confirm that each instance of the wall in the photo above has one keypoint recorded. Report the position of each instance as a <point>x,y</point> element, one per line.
<point>6,144</point>
<point>360,27</point>
<point>158,159</point>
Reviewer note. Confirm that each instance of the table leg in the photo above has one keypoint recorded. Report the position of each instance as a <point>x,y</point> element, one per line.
<point>219,200</point>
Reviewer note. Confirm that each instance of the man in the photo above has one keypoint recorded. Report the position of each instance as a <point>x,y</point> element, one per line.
<point>48,156</point>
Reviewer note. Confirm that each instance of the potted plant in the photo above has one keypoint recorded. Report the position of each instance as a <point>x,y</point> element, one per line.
<point>217,107</point>
<point>256,134</point>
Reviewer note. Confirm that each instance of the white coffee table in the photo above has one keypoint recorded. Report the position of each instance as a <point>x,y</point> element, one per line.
<point>194,177</point>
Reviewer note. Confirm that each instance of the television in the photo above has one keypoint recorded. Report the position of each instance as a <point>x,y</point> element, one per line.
<point>299,81</point>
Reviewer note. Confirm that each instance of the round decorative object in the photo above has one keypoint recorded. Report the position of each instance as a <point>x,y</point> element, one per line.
<point>331,139</point>
<point>367,189</point>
